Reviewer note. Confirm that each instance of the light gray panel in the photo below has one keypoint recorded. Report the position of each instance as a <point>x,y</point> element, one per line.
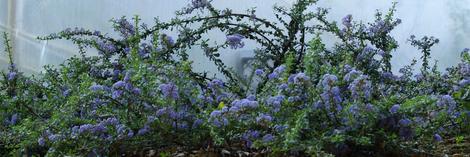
<point>3,12</point>
<point>445,19</point>
<point>3,19</point>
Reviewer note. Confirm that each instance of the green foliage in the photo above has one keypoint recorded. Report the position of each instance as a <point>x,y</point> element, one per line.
<point>302,98</point>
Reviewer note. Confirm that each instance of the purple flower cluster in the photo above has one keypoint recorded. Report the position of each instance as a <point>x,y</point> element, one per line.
<point>197,123</point>
<point>216,83</point>
<point>235,41</point>
<point>361,86</point>
<point>394,108</point>
<point>249,136</point>
<point>196,4</point>
<point>94,129</point>
<point>381,53</point>
<point>119,84</point>
<point>102,130</point>
<point>145,49</point>
<point>277,72</point>
<point>328,81</point>
<point>41,141</point>
<point>215,92</point>
<point>331,95</point>
<point>298,78</point>
<point>167,40</point>
<point>268,138</point>
<point>354,110</point>
<point>259,72</point>
<point>275,102</point>
<point>96,88</point>
<point>144,130</point>
<point>389,76</point>
<point>105,47</point>
<point>91,128</point>
<point>76,30</point>
<point>382,26</point>
<point>66,91</point>
<point>264,118</point>
<point>117,94</point>
<point>283,86</point>
<point>53,137</point>
<point>462,83</point>
<point>123,131</point>
<point>179,118</point>
<point>464,69</point>
<point>119,88</point>
<point>351,75</point>
<point>437,138</point>
<point>347,21</point>
<point>366,54</point>
<point>243,104</point>
<point>217,118</point>
<point>124,27</point>
<point>13,120</point>
<point>169,90</point>
<point>446,101</point>
<point>199,3</point>
<point>11,75</point>
<point>404,122</point>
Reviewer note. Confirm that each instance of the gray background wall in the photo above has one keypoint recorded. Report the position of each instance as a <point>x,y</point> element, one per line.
<point>26,19</point>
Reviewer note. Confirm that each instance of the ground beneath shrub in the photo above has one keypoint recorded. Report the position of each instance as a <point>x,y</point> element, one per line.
<point>456,149</point>
<point>257,154</point>
<point>448,148</point>
<point>196,153</point>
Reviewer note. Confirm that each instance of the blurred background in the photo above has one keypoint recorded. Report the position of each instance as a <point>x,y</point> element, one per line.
<point>447,20</point>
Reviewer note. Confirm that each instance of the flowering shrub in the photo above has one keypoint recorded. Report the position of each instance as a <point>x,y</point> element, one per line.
<point>140,92</point>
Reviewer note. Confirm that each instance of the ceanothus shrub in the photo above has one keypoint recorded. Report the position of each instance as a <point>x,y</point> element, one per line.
<point>302,98</point>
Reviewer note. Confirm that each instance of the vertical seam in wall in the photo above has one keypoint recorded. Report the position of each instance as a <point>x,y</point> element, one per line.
<point>11,23</point>
<point>11,29</point>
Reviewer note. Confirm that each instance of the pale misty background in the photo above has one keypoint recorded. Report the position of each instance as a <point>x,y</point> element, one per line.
<point>26,19</point>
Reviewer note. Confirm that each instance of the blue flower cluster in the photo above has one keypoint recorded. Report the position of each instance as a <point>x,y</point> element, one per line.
<point>277,72</point>
<point>361,87</point>
<point>347,21</point>
<point>169,90</point>
<point>235,41</point>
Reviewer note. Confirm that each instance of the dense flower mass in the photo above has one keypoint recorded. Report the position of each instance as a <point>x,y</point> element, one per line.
<point>302,98</point>
<point>169,90</point>
<point>361,86</point>
<point>328,81</point>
